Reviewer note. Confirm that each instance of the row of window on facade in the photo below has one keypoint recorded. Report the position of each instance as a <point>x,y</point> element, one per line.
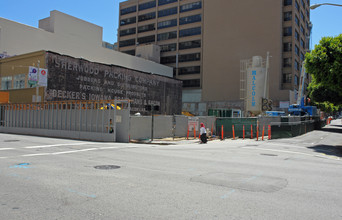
<point>173,47</point>
<point>149,16</point>
<point>287,78</point>
<point>161,25</point>
<point>287,31</point>
<point>305,5</point>
<point>191,83</point>
<point>181,58</point>
<point>165,12</point>
<point>287,47</point>
<point>14,82</point>
<point>161,37</point>
<point>288,17</point>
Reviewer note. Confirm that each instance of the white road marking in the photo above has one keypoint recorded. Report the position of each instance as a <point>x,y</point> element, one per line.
<point>56,145</point>
<point>73,151</point>
<point>6,148</point>
<point>32,155</point>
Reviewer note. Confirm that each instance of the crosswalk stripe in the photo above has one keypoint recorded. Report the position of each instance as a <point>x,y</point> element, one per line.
<point>55,145</point>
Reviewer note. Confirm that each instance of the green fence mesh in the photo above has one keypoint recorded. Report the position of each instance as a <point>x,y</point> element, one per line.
<point>286,128</point>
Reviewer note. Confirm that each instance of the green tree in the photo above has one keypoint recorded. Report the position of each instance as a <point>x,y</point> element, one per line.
<point>324,63</point>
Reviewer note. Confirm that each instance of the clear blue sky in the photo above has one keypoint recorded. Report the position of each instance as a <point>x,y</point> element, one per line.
<point>327,20</point>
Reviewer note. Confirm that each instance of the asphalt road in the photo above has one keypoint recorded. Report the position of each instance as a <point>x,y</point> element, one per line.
<point>298,178</point>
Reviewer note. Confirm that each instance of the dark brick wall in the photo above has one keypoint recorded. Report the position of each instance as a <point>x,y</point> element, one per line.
<point>78,79</point>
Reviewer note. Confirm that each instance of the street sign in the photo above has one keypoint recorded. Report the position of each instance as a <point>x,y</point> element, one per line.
<point>43,77</point>
<point>193,122</point>
<point>32,76</point>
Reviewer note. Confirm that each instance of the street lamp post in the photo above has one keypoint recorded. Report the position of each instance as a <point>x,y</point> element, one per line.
<point>37,86</point>
<point>312,7</point>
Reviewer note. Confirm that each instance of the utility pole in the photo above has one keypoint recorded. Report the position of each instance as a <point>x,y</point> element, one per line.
<point>37,85</point>
<point>266,76</point>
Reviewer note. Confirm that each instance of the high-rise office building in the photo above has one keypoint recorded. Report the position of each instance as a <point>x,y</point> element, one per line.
<point>205,40</point>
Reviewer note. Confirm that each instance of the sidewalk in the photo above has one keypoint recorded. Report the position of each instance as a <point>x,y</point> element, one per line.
<point>182,141</point>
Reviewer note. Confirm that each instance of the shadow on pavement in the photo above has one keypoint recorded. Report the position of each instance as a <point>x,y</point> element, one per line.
<point>333,128</point>
<point>328,149</point>
<point>339,126</point>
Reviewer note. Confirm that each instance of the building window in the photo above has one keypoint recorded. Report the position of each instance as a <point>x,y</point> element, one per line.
<point>297,20</point>
<point>296,80</point>
<point>147,16</point>
<point>167,12</point>
<point>191,83</point>
<point>127,32</point>
<point>297,6</point>
<point>287,31</point>
<point>130,52</point>
<point>303,3</point>
<point>287,2</point>
<point>189,44</point>
<point>167,60</point>
<point>164,2</point>
<point>302,43</point>
<point>189,57</point>
<point>128,10</point>
<point>287,77</point>
<point>302,57</point>
<point>147,5</point>
<point>297,35</point>
<point>302,29</point>
<point>6,83</point>
<point>147,39</point>
<point>190,19</point>
<point>287,47</point>
<point>191,6</point>
<point>167,36</point>
<point>302,16</point>
<point>296,65</point>
<point>126,43</point>
<point>19,81</point>
<point>189,70</point>
<point>166,24</point>
<point>168,47</point>
<point>190,32</point>
<point>126,21</point>
<point>307,14</point>
<point>297,50</point>
<point>288,16</point>
<point>144,28</point>
<point>287,62</point>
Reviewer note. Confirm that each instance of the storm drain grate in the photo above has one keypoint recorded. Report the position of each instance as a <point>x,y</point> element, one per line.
<point>272,155</point>
<point>107,167</point>
<point>11,140</point>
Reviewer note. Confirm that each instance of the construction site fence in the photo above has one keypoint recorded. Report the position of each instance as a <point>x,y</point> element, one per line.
<point>165,126</point>
<point>106,120</point>
<point>91,120</point>
<point>279,127</point>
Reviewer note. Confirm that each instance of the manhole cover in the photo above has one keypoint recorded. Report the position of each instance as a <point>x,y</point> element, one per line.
<point>107,167</point>
<point>251,145</point>
<point>11,140</point>
<point>272,155</point>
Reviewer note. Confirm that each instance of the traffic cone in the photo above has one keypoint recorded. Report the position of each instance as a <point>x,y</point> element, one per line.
<point>233,132</point>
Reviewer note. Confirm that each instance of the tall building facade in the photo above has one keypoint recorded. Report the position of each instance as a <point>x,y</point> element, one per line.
<point>205,40</point>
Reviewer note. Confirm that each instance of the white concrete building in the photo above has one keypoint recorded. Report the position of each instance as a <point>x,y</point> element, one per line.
<point>71,36</point>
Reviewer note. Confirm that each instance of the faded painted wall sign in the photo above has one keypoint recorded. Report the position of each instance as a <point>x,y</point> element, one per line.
<point>78,79</point>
